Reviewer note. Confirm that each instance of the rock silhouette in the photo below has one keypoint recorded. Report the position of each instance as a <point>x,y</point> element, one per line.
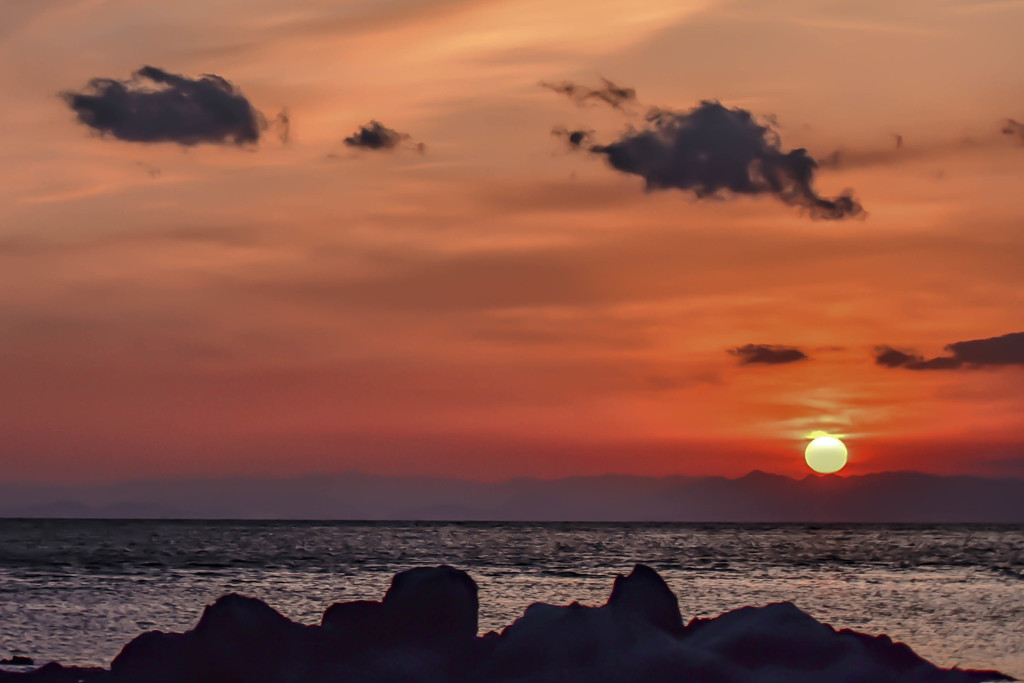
<point>425,631</point>
<point>426,605</point>
<point>18,660</point>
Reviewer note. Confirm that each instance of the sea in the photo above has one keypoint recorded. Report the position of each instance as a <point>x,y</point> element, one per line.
<point>75,591</point>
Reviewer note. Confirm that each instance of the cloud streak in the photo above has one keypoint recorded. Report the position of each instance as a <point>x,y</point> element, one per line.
<point>158,106</point>
<point>1012,127</point>
<point>974,353</point>
<point>768,354</point>
<point>609,93</point>
<point>713,151</point>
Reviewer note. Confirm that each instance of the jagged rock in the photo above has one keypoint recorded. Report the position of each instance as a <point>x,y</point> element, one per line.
<point>424,606</point>
<point>645,595</point>
<point>158,657</point>
<point>766,636</point>
<point>238,639</point>
<point>782,638</point>
<point>593,643</point>
<point>356,625</point>
<point>55,673</point>
<point>432,603</point>
<point>424,631</point>
<point>245,640</point>
<point>18,660</point>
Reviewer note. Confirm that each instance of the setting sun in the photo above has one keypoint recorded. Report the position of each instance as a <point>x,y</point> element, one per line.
<point>362,302</point>
<point>825,455</point>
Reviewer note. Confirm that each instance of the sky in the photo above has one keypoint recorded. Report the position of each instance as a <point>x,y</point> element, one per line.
<point>367,241</point>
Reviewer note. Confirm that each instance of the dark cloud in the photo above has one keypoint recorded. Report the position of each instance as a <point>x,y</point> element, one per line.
<point>575,138</point>
<point>609,93</point>
<point>937,363</point>
<point>1005,350</point>
<point>157,106</point>
<point>975,353</point>
<point>375,135</point>
<point>1014,128</point>
<point>712,149</point>
<point>768,354</point>
<point>893,358</point>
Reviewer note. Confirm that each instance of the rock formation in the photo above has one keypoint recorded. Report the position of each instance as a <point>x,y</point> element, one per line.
<point>425,631</point>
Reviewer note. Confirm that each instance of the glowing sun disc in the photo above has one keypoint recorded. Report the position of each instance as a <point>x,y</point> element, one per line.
<point>825,455</point>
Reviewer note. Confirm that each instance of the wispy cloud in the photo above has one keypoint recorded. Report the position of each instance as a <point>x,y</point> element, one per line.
<point>609,93</point>
<point>1013,127</point>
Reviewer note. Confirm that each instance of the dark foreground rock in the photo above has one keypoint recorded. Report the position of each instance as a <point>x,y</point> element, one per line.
<point>424,631</point>
<point>18,660</point>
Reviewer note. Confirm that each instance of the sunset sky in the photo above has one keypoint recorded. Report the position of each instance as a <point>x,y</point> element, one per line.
<point>482,299</point>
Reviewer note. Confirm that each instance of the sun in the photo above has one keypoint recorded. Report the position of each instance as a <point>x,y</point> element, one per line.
<point>825,455</point>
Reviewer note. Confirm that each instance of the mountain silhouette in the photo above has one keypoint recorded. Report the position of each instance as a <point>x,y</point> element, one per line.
<point>908,497</point>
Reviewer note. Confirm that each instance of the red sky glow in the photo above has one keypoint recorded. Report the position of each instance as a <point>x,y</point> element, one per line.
<point>497,304</point>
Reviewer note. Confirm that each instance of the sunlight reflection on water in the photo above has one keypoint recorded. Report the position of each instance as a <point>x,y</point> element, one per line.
<point>76,591</point>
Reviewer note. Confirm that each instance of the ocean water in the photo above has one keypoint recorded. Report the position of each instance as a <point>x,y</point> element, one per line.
<point>76,591</point>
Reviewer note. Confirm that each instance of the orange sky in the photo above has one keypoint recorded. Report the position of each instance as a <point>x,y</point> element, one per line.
<point>499,305</point>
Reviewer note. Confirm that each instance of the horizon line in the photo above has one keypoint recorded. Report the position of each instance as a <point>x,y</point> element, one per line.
<point>447,477</point>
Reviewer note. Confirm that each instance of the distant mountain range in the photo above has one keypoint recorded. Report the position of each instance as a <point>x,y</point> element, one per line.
<point>756,497</point>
